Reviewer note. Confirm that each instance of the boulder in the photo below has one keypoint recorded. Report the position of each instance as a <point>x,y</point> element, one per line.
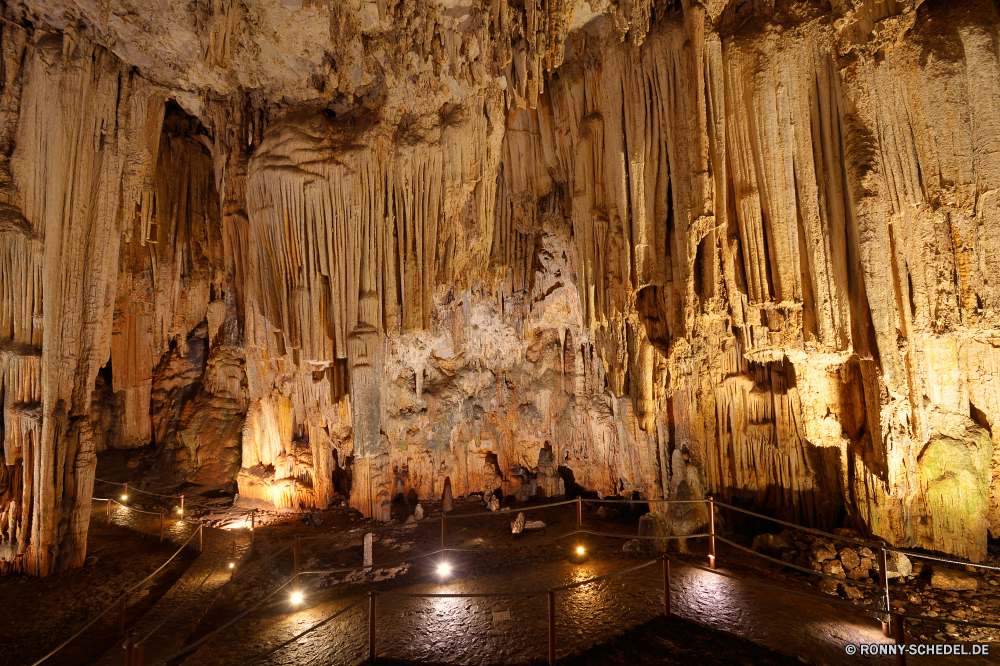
<point>849,558</point>
<point>517,526</point>
<point>898,565</point>
<point>631,546</point>
<point>945,578</point>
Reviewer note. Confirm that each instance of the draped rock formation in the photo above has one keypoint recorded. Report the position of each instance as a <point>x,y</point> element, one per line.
<point>375,248</point>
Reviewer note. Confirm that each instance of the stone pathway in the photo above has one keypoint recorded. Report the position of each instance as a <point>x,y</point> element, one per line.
<point>176,615</point>
<point>482,631</point>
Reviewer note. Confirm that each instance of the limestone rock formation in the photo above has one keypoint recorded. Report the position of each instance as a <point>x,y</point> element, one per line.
<point>655,248</point>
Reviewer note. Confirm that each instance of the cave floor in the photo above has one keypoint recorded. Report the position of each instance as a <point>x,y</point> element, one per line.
<point>613,621</point>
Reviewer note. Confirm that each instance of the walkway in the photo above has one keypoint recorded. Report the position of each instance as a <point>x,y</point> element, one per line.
<point>176,615</point>
<point>481,631</point>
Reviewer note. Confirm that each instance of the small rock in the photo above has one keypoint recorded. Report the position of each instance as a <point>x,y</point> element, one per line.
<point>915,599</point>
<point>849,558</point>
<point>833,568</point>
<point>534,525</point>
<point>822,550</point>
<point>857,573</point>
<point>773,544</point>
<point>418,513</point>
<point>92,560</point>
<point>866,552</point>
<point>411,520</point>
<point>944,578</point>
<point>494,503</point>
<point>631,546</point>
<point>918,568</point>
<point>852,592</point>
<point>602,512</point>
<point>866,563</point>
<point>517,526</point>
<point>828,586</point>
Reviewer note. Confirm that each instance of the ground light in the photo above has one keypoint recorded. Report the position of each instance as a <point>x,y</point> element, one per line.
<point>232,565</point>
<point>296,598</point>
<point>124,497</point>
<point>580,550</point>
<point>444,569</point>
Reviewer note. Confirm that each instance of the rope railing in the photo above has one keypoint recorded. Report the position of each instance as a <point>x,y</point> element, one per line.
<point>859,542</point>
<point>538,542</point>
<point>117,601</point>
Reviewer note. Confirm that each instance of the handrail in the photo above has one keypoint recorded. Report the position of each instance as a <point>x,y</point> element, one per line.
<point>116,602</point>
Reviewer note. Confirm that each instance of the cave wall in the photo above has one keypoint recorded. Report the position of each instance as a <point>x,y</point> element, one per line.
<point>377,248</point>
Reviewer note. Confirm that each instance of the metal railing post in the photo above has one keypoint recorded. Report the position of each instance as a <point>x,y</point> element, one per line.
<point>129,651</point>
<point>140,654</point>
<point>883,574</point>
<point>295,561</point>
<point>900,639</point>
<point>232,568</point>
<point>201,540</point>
<point>444,530</point>
<point>371,627</point>
<point>182,505</point>
<point>125,493</point>
<point>666,586</point>
<point>162,518</point>
<point>579,512</point>
<point>109,511</point>
<point>711,532</point>
<point>552,628</point>
<point>253,522</point>
<point>121,615</point>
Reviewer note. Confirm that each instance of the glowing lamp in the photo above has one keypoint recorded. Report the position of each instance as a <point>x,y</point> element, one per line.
<point>124,497</point>
<point>580,550</point>
<point>232,565</point>
<point>296,598</point>
<point>444,569</point>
